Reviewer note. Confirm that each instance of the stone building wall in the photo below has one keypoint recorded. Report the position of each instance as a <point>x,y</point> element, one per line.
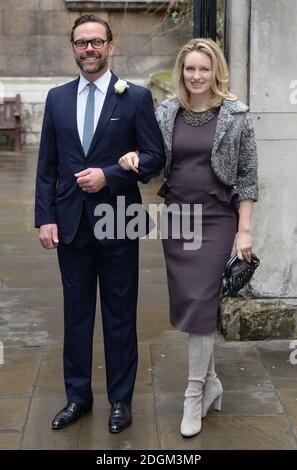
<point>262,51</point>
<point>36,52</point>
<point>34,37</point>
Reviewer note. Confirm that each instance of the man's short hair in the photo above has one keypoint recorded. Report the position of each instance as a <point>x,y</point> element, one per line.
<point>91,19</point>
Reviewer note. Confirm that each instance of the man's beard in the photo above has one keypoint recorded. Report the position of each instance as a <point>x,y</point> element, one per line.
<point>99,66</point>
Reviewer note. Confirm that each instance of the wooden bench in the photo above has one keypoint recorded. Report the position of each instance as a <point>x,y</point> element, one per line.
<point>10,119</point>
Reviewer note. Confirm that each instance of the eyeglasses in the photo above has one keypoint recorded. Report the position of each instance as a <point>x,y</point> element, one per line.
<point>96,43</point>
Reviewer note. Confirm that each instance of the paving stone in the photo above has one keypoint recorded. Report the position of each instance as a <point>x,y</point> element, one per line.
<point>278,364</point>
<point>19,371</point>
<point>13,413</point>
<point>10,440</point>
<point>239,403</point>
<point>231,433</point>
<point>170,371</point>
<point>90,432</point>
<point>289,401</point>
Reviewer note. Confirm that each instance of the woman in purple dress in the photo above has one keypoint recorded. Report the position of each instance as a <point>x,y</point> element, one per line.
<point>211,160</point>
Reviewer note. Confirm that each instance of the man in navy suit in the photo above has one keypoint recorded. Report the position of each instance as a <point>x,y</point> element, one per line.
<point>88,125</point>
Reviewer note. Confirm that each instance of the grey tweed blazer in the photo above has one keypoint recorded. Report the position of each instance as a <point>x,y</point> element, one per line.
<point>234,153</point>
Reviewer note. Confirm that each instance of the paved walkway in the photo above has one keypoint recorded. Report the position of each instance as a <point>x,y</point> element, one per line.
<point>260,399</point>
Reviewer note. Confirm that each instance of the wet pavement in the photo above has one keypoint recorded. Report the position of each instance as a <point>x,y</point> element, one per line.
<point>259,408</point>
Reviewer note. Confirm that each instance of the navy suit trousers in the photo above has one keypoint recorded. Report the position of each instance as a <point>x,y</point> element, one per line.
<point>82,263</point>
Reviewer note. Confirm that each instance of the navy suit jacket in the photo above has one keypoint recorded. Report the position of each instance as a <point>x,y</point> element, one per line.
<point>127,122</point>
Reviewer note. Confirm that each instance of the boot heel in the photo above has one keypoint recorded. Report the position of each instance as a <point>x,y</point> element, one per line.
<point>218,403</point>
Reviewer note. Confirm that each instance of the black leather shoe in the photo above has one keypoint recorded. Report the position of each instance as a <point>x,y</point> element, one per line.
<point>120,417</point>
<point>69,415</point>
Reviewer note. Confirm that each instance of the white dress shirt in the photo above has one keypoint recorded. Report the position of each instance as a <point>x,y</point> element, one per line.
<point>82,95</point>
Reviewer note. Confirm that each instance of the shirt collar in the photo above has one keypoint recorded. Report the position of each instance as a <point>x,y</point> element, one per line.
<point>101,82</point>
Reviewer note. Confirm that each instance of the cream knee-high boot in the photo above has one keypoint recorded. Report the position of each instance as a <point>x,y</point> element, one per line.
<point>213,389</point>
<point>200,352</point>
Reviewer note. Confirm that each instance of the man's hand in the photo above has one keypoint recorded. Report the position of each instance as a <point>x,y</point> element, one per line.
<point>48,236</point>
<point>91,180</point>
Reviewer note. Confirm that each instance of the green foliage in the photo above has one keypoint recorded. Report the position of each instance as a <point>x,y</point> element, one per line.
<point>179,10</point>
<point>174,16</point>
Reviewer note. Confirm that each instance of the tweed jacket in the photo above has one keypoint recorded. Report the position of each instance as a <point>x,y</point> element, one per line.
<point>234,153</point>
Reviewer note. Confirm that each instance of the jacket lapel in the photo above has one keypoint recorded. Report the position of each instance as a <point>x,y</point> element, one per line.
<point>225,120</point>
<point>71,105</point>
<point>109,105</point>
<point>169,124</point>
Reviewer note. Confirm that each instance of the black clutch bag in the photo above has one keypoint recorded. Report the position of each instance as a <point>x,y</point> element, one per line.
<point>237,274</point>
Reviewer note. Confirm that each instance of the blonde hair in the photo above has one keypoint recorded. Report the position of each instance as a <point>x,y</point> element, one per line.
<point>220,78</point>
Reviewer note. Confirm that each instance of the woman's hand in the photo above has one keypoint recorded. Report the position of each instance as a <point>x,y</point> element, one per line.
<point>243,243</point>
<point>243,240</point>
<point>129,161</point>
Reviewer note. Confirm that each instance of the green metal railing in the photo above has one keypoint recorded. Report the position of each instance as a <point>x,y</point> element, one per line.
<point>205,19</point>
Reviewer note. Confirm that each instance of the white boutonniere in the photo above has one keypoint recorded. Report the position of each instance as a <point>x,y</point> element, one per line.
<point>120,86</point>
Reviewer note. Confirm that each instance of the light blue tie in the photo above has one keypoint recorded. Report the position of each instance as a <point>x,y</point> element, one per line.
<point>89,118</point>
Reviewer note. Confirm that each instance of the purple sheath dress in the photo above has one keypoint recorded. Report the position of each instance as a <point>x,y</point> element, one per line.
<point>195,276</point>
